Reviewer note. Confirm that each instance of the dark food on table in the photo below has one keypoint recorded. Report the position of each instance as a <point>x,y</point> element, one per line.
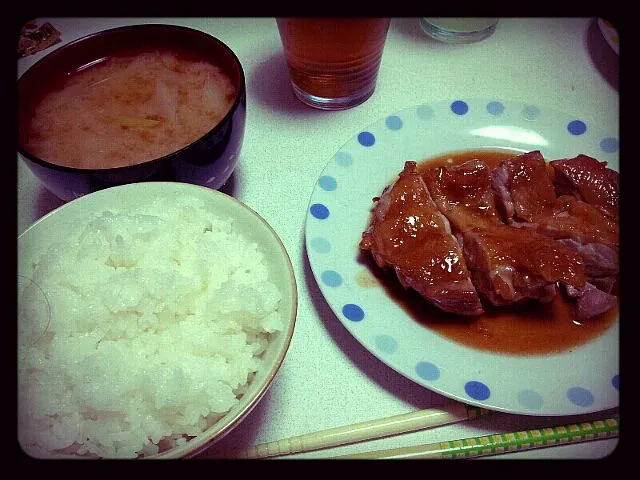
<point>527,229</point>
<point>34,39</point>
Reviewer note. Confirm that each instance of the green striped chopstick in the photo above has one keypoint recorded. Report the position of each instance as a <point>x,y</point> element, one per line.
<point>501,443</point>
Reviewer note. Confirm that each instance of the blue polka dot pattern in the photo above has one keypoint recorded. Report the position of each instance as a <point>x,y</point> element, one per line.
<point>366,139</point>
<point>393,122</point>
<point>342,198</point>
<point>580,396</point>
<point>530,112</point>
<point>344,159</point>
<point>320,245</point>
<point>428,371</point>
<point>609,144</point>
<point>327,183</point>
<point>424,112</point>
<point>353,312</point>
<point>477,390</point>
<point>495,108</point>
<point>319,211</point>
<point>576,127</point>
<point>386,344</point>
<point>459,107</point>
<point>331,278</point>
<point>530,399</point>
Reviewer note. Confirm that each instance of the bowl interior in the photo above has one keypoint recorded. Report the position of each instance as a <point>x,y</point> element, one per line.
<point>33,242</point>
<point>94,48</point>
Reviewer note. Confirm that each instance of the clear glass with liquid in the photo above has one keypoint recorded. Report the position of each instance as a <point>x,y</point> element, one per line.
<point>458,29</point>
<point>333,62</point>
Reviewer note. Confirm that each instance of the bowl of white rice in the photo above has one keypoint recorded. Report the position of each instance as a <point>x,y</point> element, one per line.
<point>152,318</point>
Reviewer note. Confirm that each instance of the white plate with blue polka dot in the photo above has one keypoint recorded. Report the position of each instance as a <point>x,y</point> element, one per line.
<point>582,379</point>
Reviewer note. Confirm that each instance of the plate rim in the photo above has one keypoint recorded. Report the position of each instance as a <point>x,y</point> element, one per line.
<point>606,32</point>
<point>439,103</point>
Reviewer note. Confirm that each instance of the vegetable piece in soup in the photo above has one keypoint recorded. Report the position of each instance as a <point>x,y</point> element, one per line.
<point>129,109</point>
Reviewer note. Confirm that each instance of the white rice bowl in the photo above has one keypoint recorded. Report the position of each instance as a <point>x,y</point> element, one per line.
<point>169,309</point>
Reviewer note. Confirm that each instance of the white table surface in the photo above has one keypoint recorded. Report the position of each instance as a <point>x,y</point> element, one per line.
<point>328,379</point>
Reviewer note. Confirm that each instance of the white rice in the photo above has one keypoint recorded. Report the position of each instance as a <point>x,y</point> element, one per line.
<point>158,321</point>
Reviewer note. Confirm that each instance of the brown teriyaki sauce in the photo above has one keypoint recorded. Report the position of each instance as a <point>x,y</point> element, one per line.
<point>530,328</point>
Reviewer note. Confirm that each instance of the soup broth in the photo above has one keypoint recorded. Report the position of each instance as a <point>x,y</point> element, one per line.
<point>528,329</point>
<point>127,109</point>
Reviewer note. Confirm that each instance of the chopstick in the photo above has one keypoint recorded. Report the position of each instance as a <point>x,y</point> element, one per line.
<point>499,443</point>
<point>369,430</point>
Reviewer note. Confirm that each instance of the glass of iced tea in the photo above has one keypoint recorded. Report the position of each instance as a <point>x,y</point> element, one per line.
<point>333,62</point>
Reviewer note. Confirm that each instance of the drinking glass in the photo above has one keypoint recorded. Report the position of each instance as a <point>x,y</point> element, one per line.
<point>333,63</point>
<point>458,29</point>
